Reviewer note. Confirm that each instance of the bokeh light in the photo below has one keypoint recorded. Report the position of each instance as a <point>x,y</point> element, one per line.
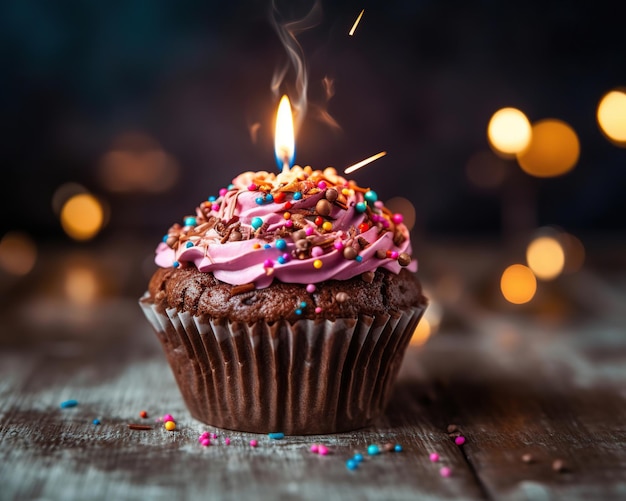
<point>18,253</point>
<point>518,284</point>
<point>553,150</point>
<point>82,216</point>
<point>509,131</point>
<point>405,207</point>
<point>63,193</point>
<point>486,170</point>
<point>136,162</point>
<point>611,116</point>
<point>422,332</point>
<point>81,285</point>
<point>545,257</point>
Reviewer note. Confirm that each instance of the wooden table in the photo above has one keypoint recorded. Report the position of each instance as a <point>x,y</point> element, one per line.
<point>544,381</point>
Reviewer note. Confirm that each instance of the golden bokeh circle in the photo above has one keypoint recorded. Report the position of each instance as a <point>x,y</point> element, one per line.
<point>509,131</point>
<point>82,216</point>
<point>611,116</point>
<point>545,257</point>
<point>518,284</point>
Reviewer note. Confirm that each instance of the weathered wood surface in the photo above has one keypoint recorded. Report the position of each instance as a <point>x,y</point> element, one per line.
<point>553,387</point>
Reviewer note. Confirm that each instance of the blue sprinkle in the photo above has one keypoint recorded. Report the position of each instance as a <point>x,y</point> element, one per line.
<point>269,198</point>
<point>281,260</point>
<point>267,246</point>
<point>190,221</point>
<point>256,222</point>
<point>397,448</point>
<point>360,207</point>
<point>69,403</point>
<point>298,311</point>
<point>297,195</point>
<point>351,464</point>
<point>175,264</point>
<point>189,244</point>
<point>96,421</point>
<point>371,196</point>
<point>276,435</point>
<point>259,200</point>
<point>373,450</point>
<point>303,304</point>
<point>358,259</point>
<point>358,457</point>
<point>212,199</point>
<point>164,238</point>
<point>231,186</point>
<point>281,244</point>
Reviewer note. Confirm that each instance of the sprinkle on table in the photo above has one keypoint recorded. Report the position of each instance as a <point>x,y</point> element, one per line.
<point>143,414</point>
<point>445,472</point>
<point>68,403</point>
<point>141,427</point>
<point>276,435</point>
<point>170,425</point>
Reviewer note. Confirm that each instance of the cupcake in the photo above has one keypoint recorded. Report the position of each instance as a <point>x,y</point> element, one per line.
<point>286,303</point>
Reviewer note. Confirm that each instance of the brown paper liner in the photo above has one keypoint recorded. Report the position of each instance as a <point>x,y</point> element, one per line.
<point>309,377</point>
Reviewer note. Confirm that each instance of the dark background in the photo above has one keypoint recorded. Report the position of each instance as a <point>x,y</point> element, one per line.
<point>419,79</point>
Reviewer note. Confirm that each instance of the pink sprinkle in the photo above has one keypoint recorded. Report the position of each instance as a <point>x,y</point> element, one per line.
<point>227,441</point>
<point>204,436</point>
<point>309,231</point>
<point>338,244</point>
<point>268,263</point>
<point>317,251</point>
<point>314,448</point>
<point>378,204</point>
<point>385,224</point>
<point>321,185</point>
<point>322,450</point>
<point>213,435</point>
<point>445,472</point>
<point>168,417</point>
<point>318,310</point>
<point>459,440</point>
<point>252,187</point>
<point>253,443</point>
<point>311,288</point>
<point>397,218</point>
<point>287,257</point>
<point>206,442</point>
<point>394,254</point>
<point>434,457</point>
<point>289,223</point>
<point>215,207</point>
<point>223,192</point>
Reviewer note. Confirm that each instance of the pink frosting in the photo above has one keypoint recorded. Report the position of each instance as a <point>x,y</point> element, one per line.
<point>256,258</point>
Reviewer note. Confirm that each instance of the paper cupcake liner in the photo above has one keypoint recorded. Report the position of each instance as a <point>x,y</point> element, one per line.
<point>309,377</point>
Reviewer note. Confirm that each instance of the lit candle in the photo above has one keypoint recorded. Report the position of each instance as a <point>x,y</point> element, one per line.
<point>284,142</point>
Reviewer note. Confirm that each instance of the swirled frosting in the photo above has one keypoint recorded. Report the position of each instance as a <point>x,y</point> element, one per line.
<point>299,226</point>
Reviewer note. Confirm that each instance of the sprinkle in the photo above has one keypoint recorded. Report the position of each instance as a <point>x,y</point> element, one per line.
<point>170,425</point>
<point>252,187</point>
<point>445,472</point>
<point>227,441</point>
<point>319,221</point>
<point>256,222</point>
<point>360,207</point>
<point>297,195</point>
<point>267,246</point>
<point>256,246</point>
<point>287,215</point>
<point>397,218</point>
<point>213,435</point>
<point>286,257</point>
<point>317,251</point>
<point>349,253</point>
<point>318,310</point>
<point>358,259</point>
<point>363,227</point>
<point>397,448</point>
<point>253,443</point>
<point>268,263</point>
<point>351,464</point>
<point>190,221</point>
<point>459,440</point>
<point>168,417</point>
<point>289,223</point>
<point>370,196</point>
<point>358,457</point>
<point>276,435</point>
<point>314,448</point>
<point>69,403</point>
<point>215,207</point>
<point>434,457</point>
<point>322,450</point>
<point>404,259</point>
<point>203,436</point>
<point>189,244</point>
<point>298,311</point>
<point>281,260</point>
<point>164,239</point>
<point>394,255</point>
<point>175,264</point>
<point>338,244</point>
<point>269,198</point>
<point>321,185</point>
<point>327,226</point>
<point>373,449</point>
<point>96,421</point>
<point>378,204</point>
<point>347,192</point>
<point>223,192</point>
<point>142,427</point>
<point>279,197</point>
<point>281,244</point>
<point>317,264</point>
<point>205,442</point>
<point>212,199</point>
<point>309,231</point>
<point>231,186</point>
<point>259,200</point>
<point>287,206</point>
<point>143,414</point>
<point>310,288</point>
<point>303,304</point>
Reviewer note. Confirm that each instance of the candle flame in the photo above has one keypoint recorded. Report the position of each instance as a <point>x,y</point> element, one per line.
<point>284,142</point>
<point>356,23</point>
<point>368,160</point>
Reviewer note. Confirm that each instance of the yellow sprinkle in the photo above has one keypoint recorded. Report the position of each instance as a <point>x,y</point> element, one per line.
<point>256,246</point>
<point>327,226</point>
<point>317,264</point>
<point>287,215</point>
<point>170,425</point>
<point>345,191</point>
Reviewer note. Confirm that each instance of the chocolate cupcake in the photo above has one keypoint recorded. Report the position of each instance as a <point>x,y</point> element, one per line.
<point>286,303</point>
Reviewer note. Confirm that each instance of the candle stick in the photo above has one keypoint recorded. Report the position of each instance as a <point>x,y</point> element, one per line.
<point>368,160</point>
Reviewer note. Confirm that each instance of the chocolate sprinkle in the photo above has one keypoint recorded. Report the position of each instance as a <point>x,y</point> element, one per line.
<point>240,289</point>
